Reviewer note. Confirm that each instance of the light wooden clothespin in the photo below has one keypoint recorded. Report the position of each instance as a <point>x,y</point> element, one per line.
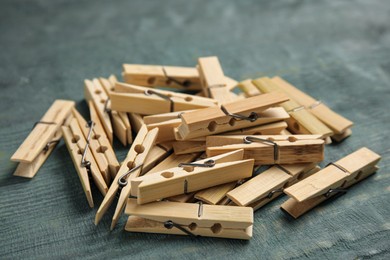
<point>188,177</point>
<point>340,126</point>
<point>269,184</point>
<point>99,144</point>
<point>214,195</point>
<point>301,121</point>
<point>79,148</point>
<point>213,80</point>
<point>275,149</point>
<point>330,181</point>
<point>44,136</point>
<point>120,120</point>
<point>185,78</point>
<point>130,168</point>
<point>199,144</point>
<point>232,116</point>
<point>94,91</point>
<point>170,162</point>
<point>193,219</point>
<point>148,101</point>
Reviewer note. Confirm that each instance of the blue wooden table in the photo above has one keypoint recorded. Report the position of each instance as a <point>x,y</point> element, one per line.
<point>337,51</point>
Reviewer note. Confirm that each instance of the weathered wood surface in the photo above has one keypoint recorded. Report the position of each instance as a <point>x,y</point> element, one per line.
<point>337,51</point>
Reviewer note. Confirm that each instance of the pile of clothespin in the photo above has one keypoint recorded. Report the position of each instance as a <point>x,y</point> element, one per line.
<point>196,164</point>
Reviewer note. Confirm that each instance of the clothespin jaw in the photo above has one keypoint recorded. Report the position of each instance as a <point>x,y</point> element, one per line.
<point>120,120</point>
<point>95,92</point>
<point>142,100</point>
<point>232,116</point>
<point>301,121</point>
<point>277,149</point>
<point>340,125</point>
<point>188,177</point>
<point>185,78</point>
<point>190,219</point>
<point>331,180</point>
<point>83,160</point>
<point>131,168</point>
<point>46,133</point>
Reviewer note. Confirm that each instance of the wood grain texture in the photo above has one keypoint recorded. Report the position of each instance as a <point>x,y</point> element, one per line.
<point>338,51</point>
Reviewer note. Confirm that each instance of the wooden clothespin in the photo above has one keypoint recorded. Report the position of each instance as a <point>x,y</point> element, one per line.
<point>82,157</point>
<point>99,144</point>
<point>301,121</point>
<point>44,136</point>
<point>94,91</point>
<point>269,184</point>
<point>248,88</point>
<point>232,116</point>
<point>130,168</point>
<point>330,181</point>
<point>188,177</point>
<point>199,144</point>
<point>275,149</point>
<point>148,101</point>
<point>213,80</point>
<point>185,78</point>
<point>170,162</point>
<point>340,126</point>
<point>194,219</point>
<point>120,120</point>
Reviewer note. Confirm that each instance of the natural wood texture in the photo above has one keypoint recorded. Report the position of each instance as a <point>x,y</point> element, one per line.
<point>248,88</point>
<point>260,203</point>
<point>268,184</point>
<point>154,76</point>
<point>157,154</point>
<point>148,101</point>
<point>180,180</point>
<point>94,91</point>
<point>136,156</point>
<point>339,124</point>
<point>185,147</point>
<point>213,120</point>
<point>214,220</point>
<point>99,145</point>
<point>172,161</point>
<point>120,120</point>
<point>268,129</point>
<point>136,121</point>
<point>160,118</point>
<point>301,121</point>
<point>288,149</point>
<point>215,194</point>
<point>213,80</point>
<point>173,181</point>
<point>310,192</point>
<point>199,144</point>
<point>166,130</point>
<point>29,169</point>
<point>76,144</point>
<point>43,132</point>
